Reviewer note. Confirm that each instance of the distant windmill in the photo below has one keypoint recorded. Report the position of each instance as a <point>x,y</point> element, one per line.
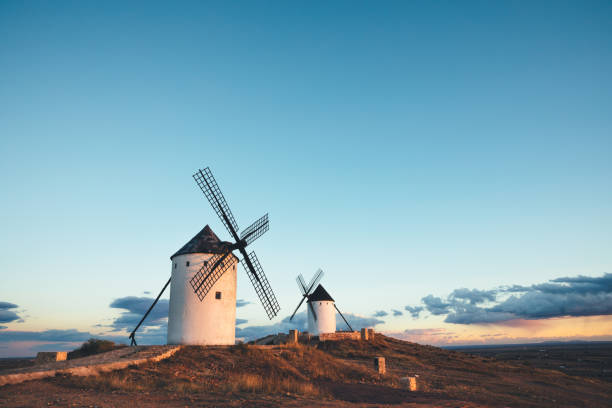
<point>206,263</point>
<point>321,313</point>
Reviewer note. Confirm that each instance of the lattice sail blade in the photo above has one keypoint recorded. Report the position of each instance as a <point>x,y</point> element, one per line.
<point>301,284</point>
<point>211,190</point>
<point>255,230</point>
<point>261,285</point>
<point>315,279</point>
<point>209,274</point>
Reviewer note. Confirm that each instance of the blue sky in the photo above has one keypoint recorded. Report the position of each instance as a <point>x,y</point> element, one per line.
<point>406,148</point>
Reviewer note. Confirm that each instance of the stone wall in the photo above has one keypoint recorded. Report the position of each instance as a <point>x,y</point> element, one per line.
<point>294,336</point>
<point>340,336</point>
<point>50,356</point>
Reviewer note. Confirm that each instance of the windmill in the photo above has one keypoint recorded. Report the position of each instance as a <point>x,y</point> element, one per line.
<point>321,314</point>
<point>206,263</point>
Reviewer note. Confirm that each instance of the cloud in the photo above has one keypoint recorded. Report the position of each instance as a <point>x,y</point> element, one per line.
<point>397,312</point>
<point>146,292</point>
<point>242,302</point>
<point>7,305</point>
<point>567,296</point>
<point>27,343</point>
<point>380,313</point>
<point>357,322</point>
<point>6,315</point>
<point>435,305</point>
<point>135,308</point>
<point>3,327</point>
<point>414,311</point>
<point>429,332</point>
<point>426,336</point>
<point>64,336</point>
<point>241,321</point>
<point>540,305</point>
<point>474,296</point>
<point>300,323</point>
<point>468,314</point>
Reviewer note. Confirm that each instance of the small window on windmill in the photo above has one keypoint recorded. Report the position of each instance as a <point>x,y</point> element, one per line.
<point>218,295</point>
<point>187,264</point>
<point>175,265</point>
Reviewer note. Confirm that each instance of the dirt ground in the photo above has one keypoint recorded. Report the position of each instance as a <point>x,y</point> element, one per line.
<point>329,374</point>
<point>48,393</point>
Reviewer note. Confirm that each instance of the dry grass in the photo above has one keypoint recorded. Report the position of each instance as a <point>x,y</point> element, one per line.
<point>321,366</point>
<point>245,382</point>
<point>234,369</point>
<point>341,370</point>
<point>114,380</point>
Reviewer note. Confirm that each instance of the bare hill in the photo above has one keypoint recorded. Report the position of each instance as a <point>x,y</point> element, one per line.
<point>333,373</point>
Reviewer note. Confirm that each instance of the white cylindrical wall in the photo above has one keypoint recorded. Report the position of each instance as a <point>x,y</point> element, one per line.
<point>211,321</point>
<point>326,317</point>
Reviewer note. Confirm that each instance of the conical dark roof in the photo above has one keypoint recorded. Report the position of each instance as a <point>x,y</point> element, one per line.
<point>319,294</point>
<point>205,242</point>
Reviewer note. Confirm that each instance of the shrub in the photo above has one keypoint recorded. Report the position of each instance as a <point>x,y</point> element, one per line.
<point>94,346</point>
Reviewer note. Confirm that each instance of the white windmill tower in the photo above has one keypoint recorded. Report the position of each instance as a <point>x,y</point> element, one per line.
<point>213,319</point>
<point>321,306</point>
<point>206,264</point>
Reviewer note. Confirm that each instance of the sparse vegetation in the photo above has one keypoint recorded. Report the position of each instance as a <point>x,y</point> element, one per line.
<point>333,374</point>
<point>94,346</point>
<point>270,385</point>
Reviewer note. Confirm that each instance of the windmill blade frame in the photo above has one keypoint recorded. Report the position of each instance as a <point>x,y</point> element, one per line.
<point>260,283</point>
<point>301,284</point>
<point>255,230</point>
<point>315,279</point>
<point>204,279</point>
<point>307,290</point>
<point>207,183</point>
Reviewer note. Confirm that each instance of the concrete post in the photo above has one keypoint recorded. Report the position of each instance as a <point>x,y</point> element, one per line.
<point>379,365</point>
<point>293,336</point>
<point>364,334</point>
<point>413,383</point>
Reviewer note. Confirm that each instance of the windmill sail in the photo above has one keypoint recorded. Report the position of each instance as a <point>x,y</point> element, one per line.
<point>307,290</point>
<point>302,284</point>
<point>205,278</point>
<point>256,230</point>
<point>315,279</point>
<point>211,190</point>
<point>209,274</point>
<point>261,285</point>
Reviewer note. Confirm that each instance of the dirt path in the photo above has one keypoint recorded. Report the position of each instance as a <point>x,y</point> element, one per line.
<point>92,365</point>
